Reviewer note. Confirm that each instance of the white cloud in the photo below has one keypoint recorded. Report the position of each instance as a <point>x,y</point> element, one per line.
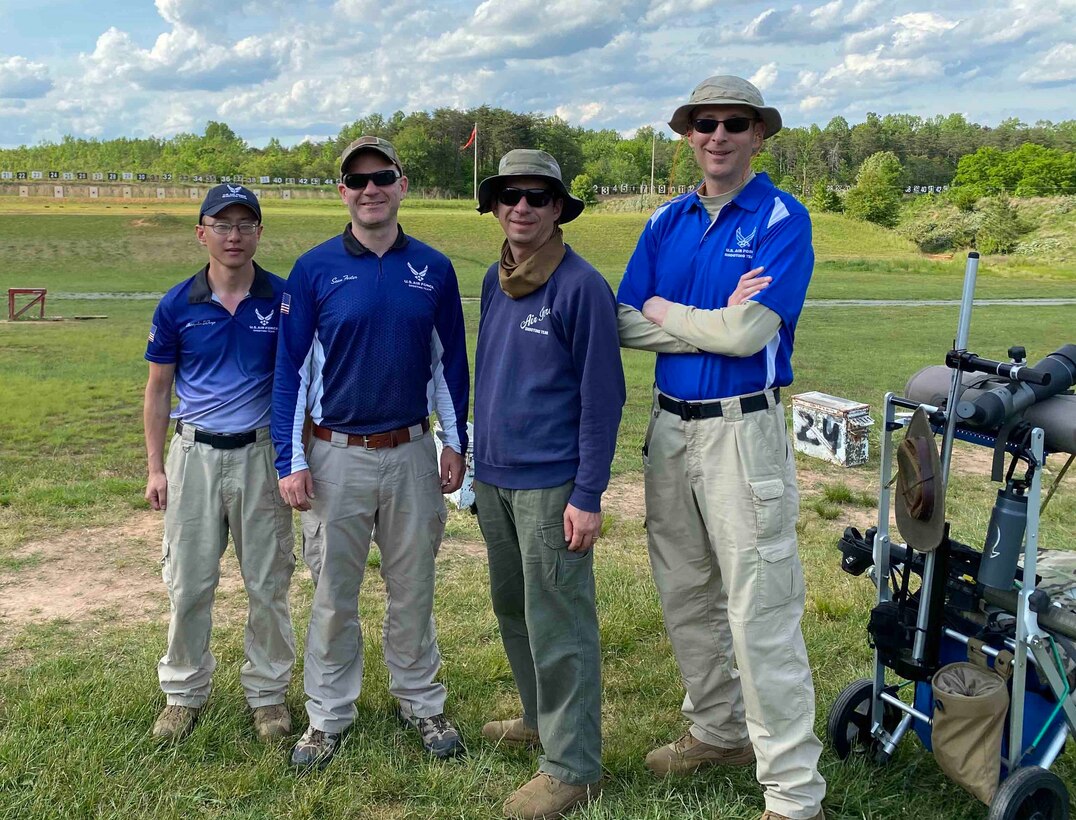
<point>1057,66</point>
<point>22,79</point>
<point>765,76</point>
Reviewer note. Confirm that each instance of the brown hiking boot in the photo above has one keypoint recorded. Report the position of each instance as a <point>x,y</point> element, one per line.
<point>272,722</point>
<point>512,732</point>
<point>772,815</point>
<point>175,722</point>
<point>689,754</point>
<point>544,797</point>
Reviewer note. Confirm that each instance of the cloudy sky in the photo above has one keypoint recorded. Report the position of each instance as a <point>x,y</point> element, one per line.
<point>303,68</point>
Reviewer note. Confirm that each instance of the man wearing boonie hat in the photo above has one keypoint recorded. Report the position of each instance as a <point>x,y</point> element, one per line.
<point>549,388</point>
<point>214,337</point>
<point>721,496</point>
<point>371,339</point>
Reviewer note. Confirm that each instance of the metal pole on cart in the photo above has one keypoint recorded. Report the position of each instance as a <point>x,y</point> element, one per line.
<point>956,387</point>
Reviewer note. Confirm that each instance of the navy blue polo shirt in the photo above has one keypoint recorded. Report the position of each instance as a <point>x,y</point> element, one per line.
<point>224,362</point>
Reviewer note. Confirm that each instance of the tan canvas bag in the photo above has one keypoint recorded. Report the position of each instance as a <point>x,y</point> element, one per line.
<point>970,705</point>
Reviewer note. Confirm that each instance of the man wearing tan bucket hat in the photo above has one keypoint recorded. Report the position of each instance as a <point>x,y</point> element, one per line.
<point>721,496</point>
<point>549,388</point>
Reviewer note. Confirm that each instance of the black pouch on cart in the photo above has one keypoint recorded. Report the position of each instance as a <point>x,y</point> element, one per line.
<point>970,706</point>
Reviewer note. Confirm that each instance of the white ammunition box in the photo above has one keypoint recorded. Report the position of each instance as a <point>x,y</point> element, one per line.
<point>831,428</point>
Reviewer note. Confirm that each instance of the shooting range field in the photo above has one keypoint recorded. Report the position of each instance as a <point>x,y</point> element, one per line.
<point>83,612</point>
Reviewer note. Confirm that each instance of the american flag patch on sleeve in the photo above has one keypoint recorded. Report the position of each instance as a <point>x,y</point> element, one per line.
<point>285,304</point>
<point>152,332</point>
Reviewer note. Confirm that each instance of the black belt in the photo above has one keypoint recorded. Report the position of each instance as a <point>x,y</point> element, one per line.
<point>691,410</point>
<point>221,441</point>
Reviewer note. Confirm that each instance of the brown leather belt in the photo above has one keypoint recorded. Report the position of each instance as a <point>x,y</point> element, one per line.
<point>374,441</point>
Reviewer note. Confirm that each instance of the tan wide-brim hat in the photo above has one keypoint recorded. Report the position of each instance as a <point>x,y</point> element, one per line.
<point>920,496</point>
<point>529,162</point>
<point>725,90</point>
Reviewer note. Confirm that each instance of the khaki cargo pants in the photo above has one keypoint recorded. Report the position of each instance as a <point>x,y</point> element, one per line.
<point>722,505</point>
<point>211,493</point>
<point>398,489</point>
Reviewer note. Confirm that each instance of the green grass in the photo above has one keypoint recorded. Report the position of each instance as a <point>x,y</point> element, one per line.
<point>77,698</point>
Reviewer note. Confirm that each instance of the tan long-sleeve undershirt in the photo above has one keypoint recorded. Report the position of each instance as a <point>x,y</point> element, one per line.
<point>740,330</point>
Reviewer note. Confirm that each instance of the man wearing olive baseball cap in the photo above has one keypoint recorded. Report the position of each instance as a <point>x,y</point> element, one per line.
<point>549,388</point>
<point>721,496</point>
<point>371,339</point>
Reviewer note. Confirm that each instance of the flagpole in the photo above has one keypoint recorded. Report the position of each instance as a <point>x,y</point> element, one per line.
<point>653,150</point>
<point>476,162</point>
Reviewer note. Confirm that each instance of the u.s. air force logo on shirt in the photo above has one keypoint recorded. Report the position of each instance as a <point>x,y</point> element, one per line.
<point>264,322</point>
<point>741,247</point>
<point>417,278</point>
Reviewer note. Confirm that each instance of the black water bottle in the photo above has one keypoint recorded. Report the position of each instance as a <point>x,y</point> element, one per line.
<point>1004,537</point>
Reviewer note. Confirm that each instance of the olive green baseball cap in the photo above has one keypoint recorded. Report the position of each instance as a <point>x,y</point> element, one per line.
<point>725,89</point>
<point>368,143</point>
<point>529,162</point>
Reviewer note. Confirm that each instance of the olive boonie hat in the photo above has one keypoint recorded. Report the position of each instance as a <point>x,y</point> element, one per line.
<point>725,90</point>
<point>920,497</point>
<point>529,162</point>
<point>367,143</point>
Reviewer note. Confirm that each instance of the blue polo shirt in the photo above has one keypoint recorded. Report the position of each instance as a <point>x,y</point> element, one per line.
<point>686,257</point>
<point>369,344</point>
<point>224,362</point>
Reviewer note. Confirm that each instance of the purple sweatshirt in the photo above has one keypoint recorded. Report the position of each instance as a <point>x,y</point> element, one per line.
<point>549,385</point>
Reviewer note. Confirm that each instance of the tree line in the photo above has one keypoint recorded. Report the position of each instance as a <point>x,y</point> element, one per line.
<point>804,160</point>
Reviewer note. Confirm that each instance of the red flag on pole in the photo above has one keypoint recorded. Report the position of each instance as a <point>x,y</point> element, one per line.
<point>470,139</point>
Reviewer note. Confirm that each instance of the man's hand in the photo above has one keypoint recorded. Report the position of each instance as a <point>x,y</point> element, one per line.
<point>157,491</point>
<point>581,528</point>
<point>655,309</point>
<point>297,489</point>
<point>452,467</point>
<point>749,286</point>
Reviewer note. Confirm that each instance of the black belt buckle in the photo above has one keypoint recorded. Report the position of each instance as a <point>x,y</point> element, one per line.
<point>690,412</point>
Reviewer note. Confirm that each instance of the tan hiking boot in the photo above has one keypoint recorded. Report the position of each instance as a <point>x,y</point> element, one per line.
<point>544,797</point>
<point>272,722</point>
<point>772,815</point>
<point>689,754</point>
<point>512,732</point>
<point>175,722</point>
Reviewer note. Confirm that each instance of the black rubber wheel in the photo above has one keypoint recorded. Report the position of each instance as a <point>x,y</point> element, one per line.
<point>1030,793</point>
<point>849,724</point>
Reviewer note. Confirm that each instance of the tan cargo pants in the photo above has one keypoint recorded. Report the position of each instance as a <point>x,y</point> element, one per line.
<point>211,493</point>
<point>722,505</point>
<point>399,490</point>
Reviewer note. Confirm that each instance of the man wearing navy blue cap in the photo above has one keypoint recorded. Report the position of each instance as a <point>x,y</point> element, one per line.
<point>214,337</point>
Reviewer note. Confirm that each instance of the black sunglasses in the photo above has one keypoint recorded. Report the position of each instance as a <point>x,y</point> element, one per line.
<point>536,197</point>
<point>733,125</point>
<point>357,181</point>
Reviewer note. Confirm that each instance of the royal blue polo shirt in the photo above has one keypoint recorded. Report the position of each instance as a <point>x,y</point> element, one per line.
<point>224,362</point>
<point>686,257</point>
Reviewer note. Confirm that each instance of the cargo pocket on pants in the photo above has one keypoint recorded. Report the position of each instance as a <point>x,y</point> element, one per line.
<point>563,569</point>
<point>777,573</point>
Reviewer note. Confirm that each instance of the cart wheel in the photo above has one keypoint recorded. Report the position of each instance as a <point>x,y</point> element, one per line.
<point>849,724</point>
<point>1030,793</point>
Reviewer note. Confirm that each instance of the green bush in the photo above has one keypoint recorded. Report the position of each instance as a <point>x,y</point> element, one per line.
<point>583,187</point>
<point>825,199</point>
<point>876,196</point>
<point>936,225</point>
<point>1000,226</point>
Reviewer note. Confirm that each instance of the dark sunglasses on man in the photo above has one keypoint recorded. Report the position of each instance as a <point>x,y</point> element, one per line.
<point>381,179</point>
<point>536,197</point>
<point>733,125</point>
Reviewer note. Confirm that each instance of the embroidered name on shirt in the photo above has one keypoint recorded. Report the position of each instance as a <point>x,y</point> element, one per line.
<point>200,323</point>
<point>337,280</point>
<point>529,323</point>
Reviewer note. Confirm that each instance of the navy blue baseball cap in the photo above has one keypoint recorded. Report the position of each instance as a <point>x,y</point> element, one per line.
<point>221,196</point>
